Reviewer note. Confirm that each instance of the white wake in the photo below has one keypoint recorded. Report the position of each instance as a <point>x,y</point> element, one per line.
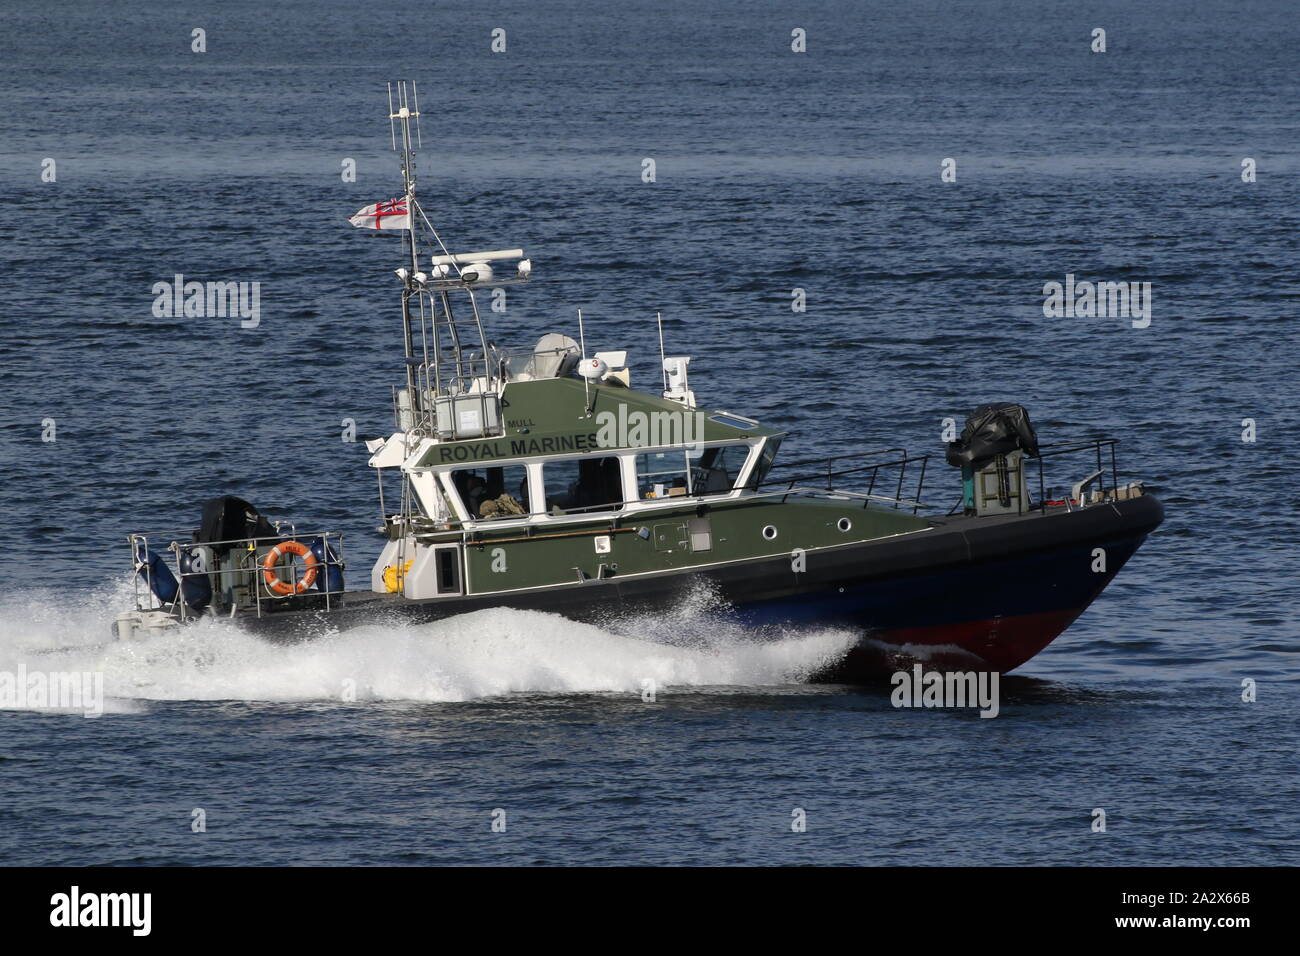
<point>484,654</point>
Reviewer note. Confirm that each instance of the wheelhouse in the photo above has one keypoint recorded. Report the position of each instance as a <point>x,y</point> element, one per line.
<point>604,481</point>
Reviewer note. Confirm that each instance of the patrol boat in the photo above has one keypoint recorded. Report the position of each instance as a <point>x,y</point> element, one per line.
<point>539,479</point>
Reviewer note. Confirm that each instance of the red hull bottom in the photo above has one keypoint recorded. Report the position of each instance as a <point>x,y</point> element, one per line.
<point>1000,644</point>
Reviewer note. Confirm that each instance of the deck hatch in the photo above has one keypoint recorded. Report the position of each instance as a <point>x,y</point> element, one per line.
<point>670,537</point>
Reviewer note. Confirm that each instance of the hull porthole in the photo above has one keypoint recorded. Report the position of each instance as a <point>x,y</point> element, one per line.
<point>769,532</point>
<point>844,524</point>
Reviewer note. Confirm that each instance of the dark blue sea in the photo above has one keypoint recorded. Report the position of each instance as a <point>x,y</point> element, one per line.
<point>774,170</point>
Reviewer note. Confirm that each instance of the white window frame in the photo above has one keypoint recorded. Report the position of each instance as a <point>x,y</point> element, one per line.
<point>540,480</point>
<point>658,504</point>
<point>448,484</point>
<point>632,503</point>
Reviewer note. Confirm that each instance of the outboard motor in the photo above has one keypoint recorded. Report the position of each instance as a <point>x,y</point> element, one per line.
<point>990,453</point>
<point>231,519</point>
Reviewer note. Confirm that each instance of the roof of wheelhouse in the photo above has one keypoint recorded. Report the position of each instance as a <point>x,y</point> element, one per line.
<point>552,417</point>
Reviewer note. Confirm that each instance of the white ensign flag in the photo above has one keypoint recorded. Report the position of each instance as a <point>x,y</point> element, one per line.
<point>392,214</point>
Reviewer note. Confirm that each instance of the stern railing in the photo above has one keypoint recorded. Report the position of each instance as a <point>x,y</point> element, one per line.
<point>237,581</point>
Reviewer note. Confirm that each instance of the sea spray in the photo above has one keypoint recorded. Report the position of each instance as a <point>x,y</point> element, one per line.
<point>487,653</point>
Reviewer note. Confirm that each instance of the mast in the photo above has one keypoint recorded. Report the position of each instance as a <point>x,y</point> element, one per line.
<point>408,108</point>
<point>456,367</point>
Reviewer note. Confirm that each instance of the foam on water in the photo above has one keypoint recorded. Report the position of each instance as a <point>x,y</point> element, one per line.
<point>487,653</point>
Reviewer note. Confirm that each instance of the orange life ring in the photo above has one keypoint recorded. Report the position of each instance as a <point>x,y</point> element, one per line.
<point>284,588</point>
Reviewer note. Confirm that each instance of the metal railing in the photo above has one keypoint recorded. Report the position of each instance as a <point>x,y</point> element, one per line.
<point>892,474</point>
<point>897,482</point>
<point>469,376</point>
<point>237,582</point>
<point>1102,450</point>
<point>1100,447</point>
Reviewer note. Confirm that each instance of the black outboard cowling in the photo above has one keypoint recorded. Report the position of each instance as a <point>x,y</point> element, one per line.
<point>991,430</point>
<point>229,519</point>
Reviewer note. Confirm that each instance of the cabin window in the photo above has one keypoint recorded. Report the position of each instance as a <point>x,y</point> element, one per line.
<point>493,493</point>
<point>663,474</point>
<point>690,472</point>
<point>764,463</point>
<point>582,484</point>
<point>715,470</point>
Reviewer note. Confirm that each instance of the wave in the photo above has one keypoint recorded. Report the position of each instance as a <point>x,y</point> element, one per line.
<point>486,653</point>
